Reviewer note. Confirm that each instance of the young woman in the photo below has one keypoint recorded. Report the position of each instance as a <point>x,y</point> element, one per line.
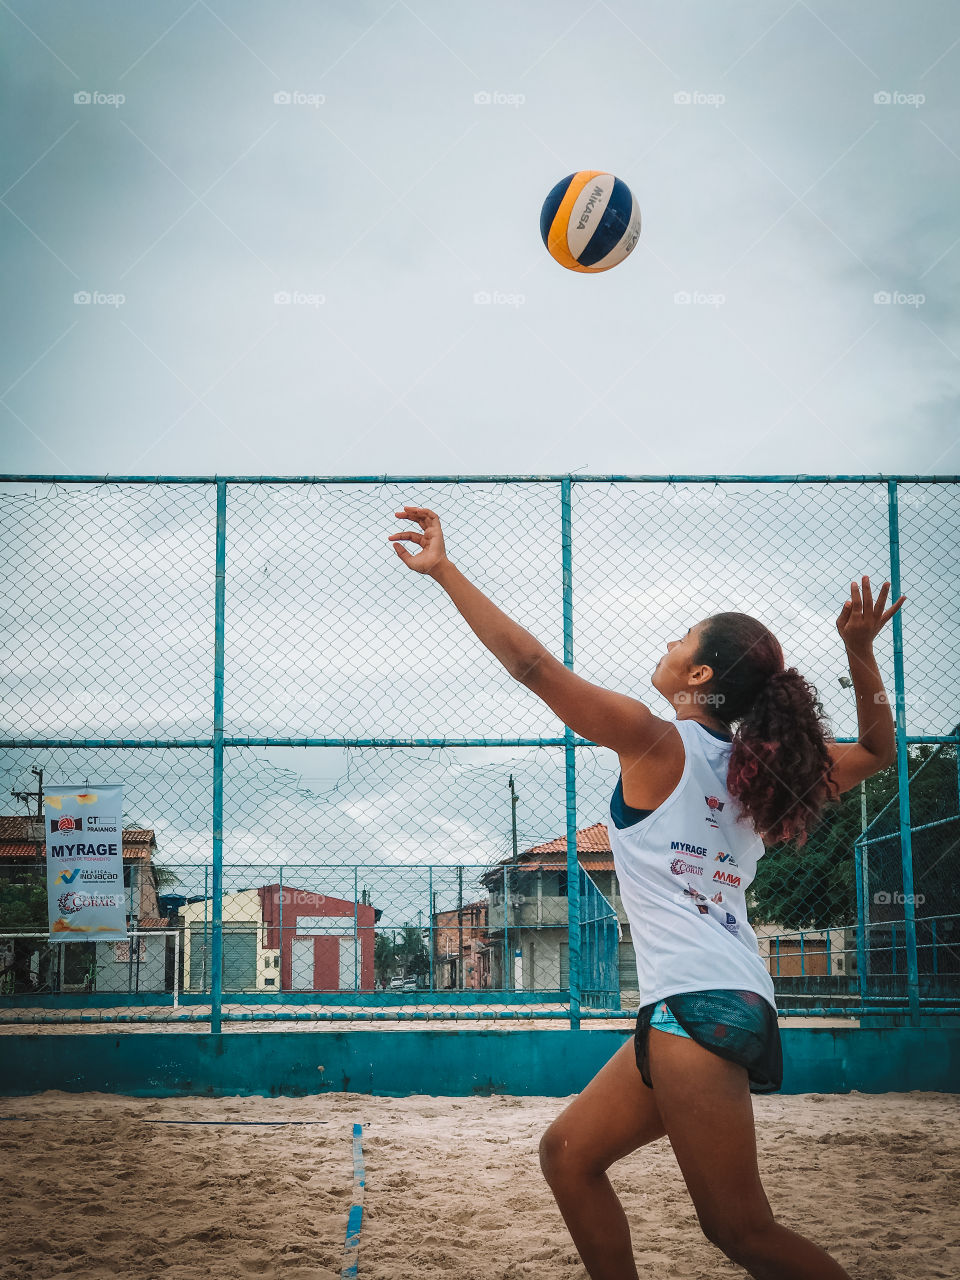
<point>692,809</point>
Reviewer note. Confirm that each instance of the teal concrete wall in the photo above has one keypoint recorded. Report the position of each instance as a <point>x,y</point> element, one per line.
<point>551,1063</point>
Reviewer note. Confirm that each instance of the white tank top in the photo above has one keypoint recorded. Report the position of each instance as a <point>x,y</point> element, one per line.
<point>684,871</point>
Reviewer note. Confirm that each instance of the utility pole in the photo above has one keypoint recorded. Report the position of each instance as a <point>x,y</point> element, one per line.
<point>513,814</point>
<point>29,795</point>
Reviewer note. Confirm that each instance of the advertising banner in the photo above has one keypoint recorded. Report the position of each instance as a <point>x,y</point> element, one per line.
<point>84,834</point>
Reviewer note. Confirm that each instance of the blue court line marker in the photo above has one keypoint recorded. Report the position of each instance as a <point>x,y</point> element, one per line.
<point>351,1249</point>
<point>151,1120</point>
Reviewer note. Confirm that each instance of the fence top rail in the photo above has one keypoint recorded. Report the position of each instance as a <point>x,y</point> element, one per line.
<point>799,478</point>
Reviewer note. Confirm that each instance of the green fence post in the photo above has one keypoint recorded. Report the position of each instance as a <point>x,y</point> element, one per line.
<point>216,968</point>
<point>280,970</point>
<point>569,753</point>
<point>432,940</point>
<point>903,777</point>
<point>861,926</point>
<point>356,927</point>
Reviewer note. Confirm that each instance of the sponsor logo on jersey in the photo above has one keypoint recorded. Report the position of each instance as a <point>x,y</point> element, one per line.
<point>727,877</point>
<point>679,867</point>
<point>731,923</point>
<point>699,899</point>
<point>714,806</point>
<point>726,857</point>
<point>697,850</point>
<point>717,897</point>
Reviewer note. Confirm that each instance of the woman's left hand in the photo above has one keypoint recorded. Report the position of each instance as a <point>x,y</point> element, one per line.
<point>861,620</point>
<point>433,553</point>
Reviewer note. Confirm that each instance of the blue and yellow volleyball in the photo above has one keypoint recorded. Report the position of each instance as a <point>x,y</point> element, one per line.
<point>590,221</point>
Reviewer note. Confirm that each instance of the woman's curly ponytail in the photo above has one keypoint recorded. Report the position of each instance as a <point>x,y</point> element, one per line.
<point>779,768</point>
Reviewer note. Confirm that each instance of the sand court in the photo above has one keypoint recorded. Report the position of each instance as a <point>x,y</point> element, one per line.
<point>97,1185</point>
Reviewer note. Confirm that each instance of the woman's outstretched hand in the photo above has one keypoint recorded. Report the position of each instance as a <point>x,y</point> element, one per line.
<point>432,552</point>
<point>860,619</point>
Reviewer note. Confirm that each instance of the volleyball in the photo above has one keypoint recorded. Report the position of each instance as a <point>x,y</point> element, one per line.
<point>590,221</point>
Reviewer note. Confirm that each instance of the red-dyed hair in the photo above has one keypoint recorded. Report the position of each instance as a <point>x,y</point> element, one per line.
<point>780,766</point>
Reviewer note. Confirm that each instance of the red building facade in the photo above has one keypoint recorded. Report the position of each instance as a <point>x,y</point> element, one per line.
<point>325,944</point>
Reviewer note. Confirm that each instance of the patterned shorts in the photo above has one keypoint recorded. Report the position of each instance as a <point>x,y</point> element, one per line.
<point>663,1020</point>
<point>737,1025</point>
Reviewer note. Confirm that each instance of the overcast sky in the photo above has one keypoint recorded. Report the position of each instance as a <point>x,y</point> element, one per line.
<point>791,307</point>
<point>384,188</point>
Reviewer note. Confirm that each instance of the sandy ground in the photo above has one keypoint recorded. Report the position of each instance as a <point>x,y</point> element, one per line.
<point>21,1023</point>
<point>93,1186</point>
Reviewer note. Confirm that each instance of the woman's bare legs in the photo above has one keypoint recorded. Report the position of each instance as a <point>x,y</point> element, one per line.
<point>615,1114</point>
<point>708,1114</point>
<point>702,1103</point>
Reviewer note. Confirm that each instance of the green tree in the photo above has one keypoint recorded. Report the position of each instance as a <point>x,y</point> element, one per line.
<point>814,887</point>
<point>416,957</point>
<point>23,909</point>
<point>384,958</point>
<point>23,905</point>
<point>164,877</point>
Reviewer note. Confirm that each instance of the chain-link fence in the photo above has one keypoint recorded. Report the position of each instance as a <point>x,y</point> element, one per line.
<point>339,806</point>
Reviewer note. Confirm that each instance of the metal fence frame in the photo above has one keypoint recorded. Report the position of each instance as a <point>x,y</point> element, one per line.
<point>570,742</point>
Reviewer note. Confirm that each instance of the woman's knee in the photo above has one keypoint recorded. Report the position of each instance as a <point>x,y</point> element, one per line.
<point>552,1151</point>
<point>740,1237</point>
<point>560,1157</point>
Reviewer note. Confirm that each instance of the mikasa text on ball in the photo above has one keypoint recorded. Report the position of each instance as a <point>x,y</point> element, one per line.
<point>590,221</point>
